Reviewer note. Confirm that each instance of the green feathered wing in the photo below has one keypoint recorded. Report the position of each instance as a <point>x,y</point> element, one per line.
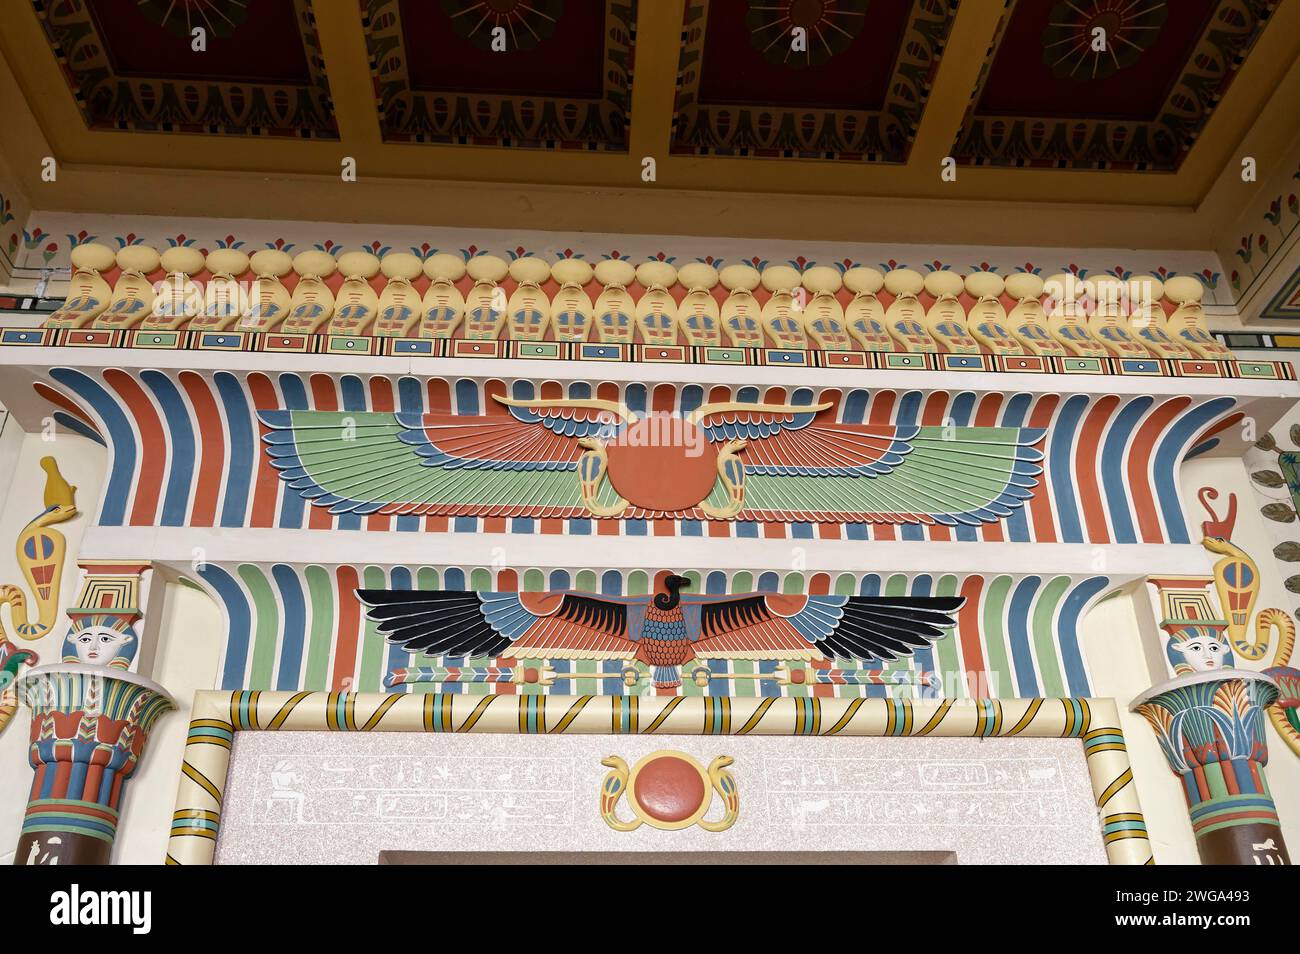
<point>525,462</point>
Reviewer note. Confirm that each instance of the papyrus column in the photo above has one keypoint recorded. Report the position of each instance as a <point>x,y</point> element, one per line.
<point>90,726</point>
<point>1211,729</point>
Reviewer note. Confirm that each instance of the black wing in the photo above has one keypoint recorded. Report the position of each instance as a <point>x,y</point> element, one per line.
<point>781,626</point>
<point>882,627</point>
<point>471,623</point>
<point>435,622</point>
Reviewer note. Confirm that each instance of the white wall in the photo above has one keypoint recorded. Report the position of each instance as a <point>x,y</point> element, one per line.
<point>189,651</point>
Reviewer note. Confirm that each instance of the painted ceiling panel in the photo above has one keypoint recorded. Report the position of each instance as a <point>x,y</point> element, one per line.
<point>837,79</point>
<point>552,47</point>
<point>1046,64</point>
<point>255,69</point>
<point>847,63</point>
<point>553,74</point>
<point>1098,84</point>
<point>245,42</point>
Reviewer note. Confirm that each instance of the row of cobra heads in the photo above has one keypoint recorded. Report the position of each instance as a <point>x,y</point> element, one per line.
<point>820,307</point>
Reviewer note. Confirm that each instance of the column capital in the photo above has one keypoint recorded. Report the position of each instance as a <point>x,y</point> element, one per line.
<point>90,725</point>
<point>1210,725</point>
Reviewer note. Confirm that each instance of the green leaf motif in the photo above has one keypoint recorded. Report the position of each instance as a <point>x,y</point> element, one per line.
<point>1279,512</point>
<point>1288,552</point>
<point>1268,478</point>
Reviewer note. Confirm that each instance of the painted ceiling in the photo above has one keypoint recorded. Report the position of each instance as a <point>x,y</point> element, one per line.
<point>1106,83</point>
<point>1068,83</point>
<point>544,73</point>
<point>851,86</point>
<point>136,65</point>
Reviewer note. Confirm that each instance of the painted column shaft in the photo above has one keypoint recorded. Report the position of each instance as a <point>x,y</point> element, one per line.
<point>1233,813</point>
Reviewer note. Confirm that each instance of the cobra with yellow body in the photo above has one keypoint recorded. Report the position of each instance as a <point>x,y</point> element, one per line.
<point>1236,578</point>
<point>1273,620</point>
<point>1284,714</point>
<point>40,551</point>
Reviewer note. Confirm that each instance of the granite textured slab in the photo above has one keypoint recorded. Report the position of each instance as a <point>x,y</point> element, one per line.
<point>315,797</point>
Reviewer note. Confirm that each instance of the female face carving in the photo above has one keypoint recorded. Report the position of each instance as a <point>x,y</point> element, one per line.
<point>1203,653</point>
<point>98,645</point>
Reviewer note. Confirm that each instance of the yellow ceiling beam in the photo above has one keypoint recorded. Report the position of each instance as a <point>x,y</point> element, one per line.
<point>963,58</point>
<point>343,47</point>
<point>654,86</point>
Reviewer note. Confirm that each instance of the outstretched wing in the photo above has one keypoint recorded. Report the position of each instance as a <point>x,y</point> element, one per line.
<point>571,416</point>
<point>801,466</point>
<point>787,440</point>
<point>560,625</point>
<point>415,463</point>
<point>779,626</point>
<point>752,418</point>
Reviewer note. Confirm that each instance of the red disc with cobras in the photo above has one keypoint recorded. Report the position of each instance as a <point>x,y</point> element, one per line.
<point>669,789</point>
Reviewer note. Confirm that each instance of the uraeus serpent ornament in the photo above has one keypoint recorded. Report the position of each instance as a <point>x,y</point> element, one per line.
<point>669,790</point>
<point>40,551</point>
